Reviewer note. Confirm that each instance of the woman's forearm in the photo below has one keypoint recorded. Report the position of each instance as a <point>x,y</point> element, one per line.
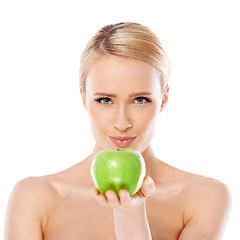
<point>132,224</point>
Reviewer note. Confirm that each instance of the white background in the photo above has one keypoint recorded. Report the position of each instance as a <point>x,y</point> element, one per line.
<point>43,127</point>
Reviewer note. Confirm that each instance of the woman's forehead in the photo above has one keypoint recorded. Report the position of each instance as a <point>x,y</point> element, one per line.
<point>117,72</point>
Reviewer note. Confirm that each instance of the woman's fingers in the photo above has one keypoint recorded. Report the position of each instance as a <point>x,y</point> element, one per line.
<point>125,200</point>
<point>109,199</point>
<point>101,199</point>
<point>94,192</point>
<point>148,187</point>
<point>113,199</point>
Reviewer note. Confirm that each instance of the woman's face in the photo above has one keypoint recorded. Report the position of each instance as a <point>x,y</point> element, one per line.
<point>123,100</point>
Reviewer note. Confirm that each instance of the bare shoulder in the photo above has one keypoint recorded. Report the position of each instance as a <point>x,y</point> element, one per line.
<point>198,186</point>
<point>207,203</point>
<point>206,189</point>
<point>34,193</point>
<point>33,187</point>
<point>29,205</point>
<point>200,189</point>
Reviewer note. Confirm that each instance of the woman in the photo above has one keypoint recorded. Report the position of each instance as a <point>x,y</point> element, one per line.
<point>124,77</point>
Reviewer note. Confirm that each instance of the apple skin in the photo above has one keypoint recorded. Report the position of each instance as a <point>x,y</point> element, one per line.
<point>118,169</point>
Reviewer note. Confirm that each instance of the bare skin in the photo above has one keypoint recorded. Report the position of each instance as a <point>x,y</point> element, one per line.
<point>173,205</point>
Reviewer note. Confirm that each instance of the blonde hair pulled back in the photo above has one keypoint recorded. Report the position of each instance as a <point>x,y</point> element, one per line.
<point>126,39</point>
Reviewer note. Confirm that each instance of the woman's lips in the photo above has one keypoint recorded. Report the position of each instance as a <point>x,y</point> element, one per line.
<point>122,142</point>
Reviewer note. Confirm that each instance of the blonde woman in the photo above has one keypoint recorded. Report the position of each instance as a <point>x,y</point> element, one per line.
<point>124,76</point>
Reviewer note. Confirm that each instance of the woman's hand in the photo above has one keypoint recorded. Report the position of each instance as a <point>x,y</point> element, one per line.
<point>130,218</point>
<point>125,201</point>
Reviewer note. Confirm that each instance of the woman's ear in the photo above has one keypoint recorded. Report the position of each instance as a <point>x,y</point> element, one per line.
<point>83,95</point>
<point>165,98</point>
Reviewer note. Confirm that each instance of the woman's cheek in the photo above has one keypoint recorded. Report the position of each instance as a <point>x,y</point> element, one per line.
<point>99,115</point>
<point>145,116</point>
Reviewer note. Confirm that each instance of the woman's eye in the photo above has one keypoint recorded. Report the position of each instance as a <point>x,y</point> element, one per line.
<point>104,101</point>
<point>142,100</point>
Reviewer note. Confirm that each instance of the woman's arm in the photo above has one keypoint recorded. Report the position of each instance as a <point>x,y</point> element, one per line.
<point>208,210</point>
<point>130,216</point>
<point>26,209</point>
<point>132,224</point>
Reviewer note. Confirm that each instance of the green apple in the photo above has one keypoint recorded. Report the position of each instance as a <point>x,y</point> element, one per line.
<point>118,169</point>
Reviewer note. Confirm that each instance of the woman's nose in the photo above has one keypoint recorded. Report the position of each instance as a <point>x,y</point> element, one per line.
<point>122,120</point>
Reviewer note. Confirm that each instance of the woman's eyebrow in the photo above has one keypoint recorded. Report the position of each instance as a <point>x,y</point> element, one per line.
<point>105,94</point>
<point>139,94</point>
<point>114,95</point>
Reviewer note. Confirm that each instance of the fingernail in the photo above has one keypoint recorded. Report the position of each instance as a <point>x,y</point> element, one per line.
<point>122,194</point>
<point>148,181</point>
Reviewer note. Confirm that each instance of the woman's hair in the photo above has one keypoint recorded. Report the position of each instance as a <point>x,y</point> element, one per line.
<point>126,39</point>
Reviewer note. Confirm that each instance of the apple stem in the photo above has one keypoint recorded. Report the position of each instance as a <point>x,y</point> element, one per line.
<point>118,149</point>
